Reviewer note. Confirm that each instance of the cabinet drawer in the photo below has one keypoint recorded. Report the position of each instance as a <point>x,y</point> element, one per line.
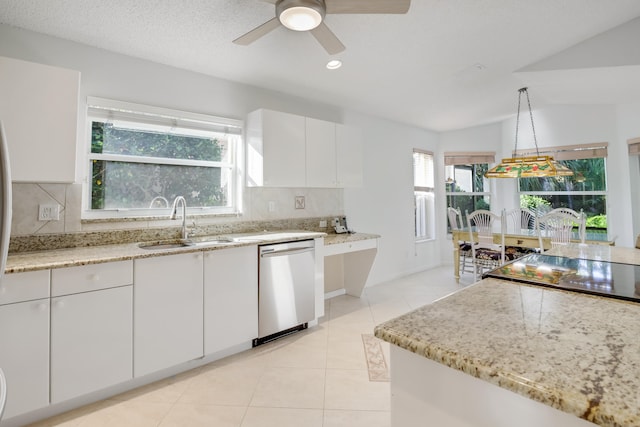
<point>72,280</point>
<point>18,287</point>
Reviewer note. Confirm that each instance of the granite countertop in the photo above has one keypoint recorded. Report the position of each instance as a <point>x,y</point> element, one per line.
<point>575,352</point>
<point>334,239</point>
<point>57,258</point>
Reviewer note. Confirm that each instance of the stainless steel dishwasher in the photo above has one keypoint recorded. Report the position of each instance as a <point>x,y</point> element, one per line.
<point>286,289</point>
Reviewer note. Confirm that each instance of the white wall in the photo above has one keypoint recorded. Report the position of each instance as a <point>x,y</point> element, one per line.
<point>385,204</point>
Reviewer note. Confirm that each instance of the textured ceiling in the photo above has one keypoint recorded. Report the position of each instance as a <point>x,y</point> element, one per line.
<point>447,64</point>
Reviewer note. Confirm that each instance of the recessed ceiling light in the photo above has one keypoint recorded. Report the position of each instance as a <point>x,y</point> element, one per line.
<point>334,64</point>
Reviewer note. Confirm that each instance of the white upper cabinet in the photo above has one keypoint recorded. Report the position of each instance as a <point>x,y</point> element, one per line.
<point>39,111</point>
<point>321,153</point>
<point>275,149</point>
<point>349,152</point>
<point>286,150</point>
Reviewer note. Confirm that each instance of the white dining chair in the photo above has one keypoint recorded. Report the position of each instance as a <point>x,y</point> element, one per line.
<point>558,225</point>
<point>464,247</point>
<point>486,255</point>
<point>520,221</point>
<point>3,393</point>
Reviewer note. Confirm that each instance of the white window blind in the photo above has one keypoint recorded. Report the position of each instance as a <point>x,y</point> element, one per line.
<point>423,173</point>
<point>634,146</point>
<point>162,119</point>
<point>570,152</point>
<point>468,158</point>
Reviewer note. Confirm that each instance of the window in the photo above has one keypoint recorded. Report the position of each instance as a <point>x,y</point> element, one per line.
<point>423,194</point>
<point>585,191</point>
<point>143,157</point>
<point>466,187</point>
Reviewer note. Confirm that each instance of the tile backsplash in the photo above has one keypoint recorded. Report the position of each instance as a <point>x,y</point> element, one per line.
<point>259,205</point>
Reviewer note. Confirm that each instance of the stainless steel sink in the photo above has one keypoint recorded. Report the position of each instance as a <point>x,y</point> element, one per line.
<point>213,241</point>
<point>198,242</point>
<point>172,244</point>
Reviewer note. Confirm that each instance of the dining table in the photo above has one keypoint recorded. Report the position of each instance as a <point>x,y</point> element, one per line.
<point>526,238</point>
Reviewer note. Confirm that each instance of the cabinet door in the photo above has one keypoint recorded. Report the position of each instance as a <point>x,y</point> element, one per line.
<point>321,153</point>
<point>168,313</point>
<point>91,341</point>
<point>276,149</point>
<point>349,155</point>
<point>39,110</point>
<point>230,298</point>
<point>24,355</point>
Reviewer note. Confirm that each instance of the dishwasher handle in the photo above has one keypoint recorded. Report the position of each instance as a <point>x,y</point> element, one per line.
<point>268,253</point>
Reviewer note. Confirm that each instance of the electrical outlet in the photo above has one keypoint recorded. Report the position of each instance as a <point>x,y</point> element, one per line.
<point>299,202</point>
<point>323,224</point>
<point>48,212</point>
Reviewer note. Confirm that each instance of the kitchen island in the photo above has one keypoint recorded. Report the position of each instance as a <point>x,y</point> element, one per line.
<point>501,353</point>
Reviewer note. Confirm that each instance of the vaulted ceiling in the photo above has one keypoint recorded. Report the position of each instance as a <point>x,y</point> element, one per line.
<point>446,64</point>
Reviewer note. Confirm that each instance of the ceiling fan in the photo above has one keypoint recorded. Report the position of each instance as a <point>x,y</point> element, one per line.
<point>308,15</point>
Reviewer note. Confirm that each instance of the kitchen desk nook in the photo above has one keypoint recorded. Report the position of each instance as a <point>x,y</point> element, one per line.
<point>504,353</point>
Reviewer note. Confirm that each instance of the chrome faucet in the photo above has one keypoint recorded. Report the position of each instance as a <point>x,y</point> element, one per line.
<point>174,213</point>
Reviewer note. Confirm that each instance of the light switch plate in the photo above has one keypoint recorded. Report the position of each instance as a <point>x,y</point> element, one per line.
<point>299,202</point>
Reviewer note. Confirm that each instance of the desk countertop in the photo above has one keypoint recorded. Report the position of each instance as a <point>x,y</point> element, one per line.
<point>575,352</point>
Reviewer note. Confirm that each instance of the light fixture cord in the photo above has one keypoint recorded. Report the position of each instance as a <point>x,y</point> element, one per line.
<point>515,150</point>
<point>533,128</point>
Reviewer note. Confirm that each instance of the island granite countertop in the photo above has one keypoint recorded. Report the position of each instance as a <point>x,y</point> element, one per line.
<point>575,352</point>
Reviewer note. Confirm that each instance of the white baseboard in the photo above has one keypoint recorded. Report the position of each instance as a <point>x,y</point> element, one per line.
<point>335,293</point>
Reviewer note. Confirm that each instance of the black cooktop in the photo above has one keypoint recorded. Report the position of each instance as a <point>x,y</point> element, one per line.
<point>609,279</point>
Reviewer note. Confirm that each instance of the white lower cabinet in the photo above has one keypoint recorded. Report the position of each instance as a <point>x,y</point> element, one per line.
<point>230,298</point>
<point>24,340</point>
<point>168,314</point>
<point>91,341</point>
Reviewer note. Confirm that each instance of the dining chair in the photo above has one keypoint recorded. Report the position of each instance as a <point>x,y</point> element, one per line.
<point>520,221</point>
<point>485,254</point>
<point>558,225</point>
<point>464,247</point>
<point>3,393</point>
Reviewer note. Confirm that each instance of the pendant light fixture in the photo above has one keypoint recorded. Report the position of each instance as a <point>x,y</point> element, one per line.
<point>527,166</point>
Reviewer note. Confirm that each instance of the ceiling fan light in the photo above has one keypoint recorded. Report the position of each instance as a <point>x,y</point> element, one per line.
<point>300,18</point>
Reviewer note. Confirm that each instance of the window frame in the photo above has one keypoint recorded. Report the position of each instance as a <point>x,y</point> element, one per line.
<point>152,118</point>
<point>567,153</point>
<point>462,159</point>
<point>429,191</point>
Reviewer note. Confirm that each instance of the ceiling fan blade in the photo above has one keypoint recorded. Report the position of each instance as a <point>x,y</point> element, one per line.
<point>258,32</point>
<point>327,39</point>
<point>367,6</point>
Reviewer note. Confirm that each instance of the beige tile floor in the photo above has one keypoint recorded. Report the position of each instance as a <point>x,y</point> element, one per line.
<point>315,378</point>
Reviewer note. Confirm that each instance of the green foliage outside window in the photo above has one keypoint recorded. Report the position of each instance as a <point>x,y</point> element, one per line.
<point>589,176</point>
<point>126,184</point>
